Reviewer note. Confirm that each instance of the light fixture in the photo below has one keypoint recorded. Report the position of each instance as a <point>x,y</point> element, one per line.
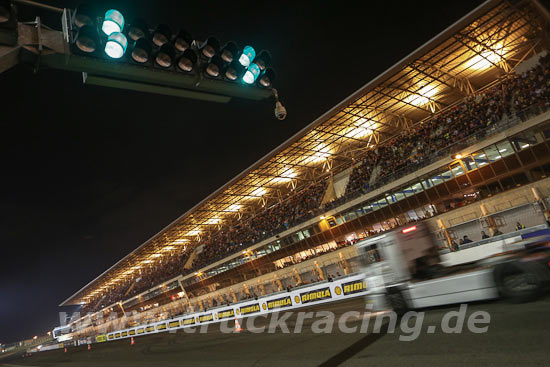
<point>141,52</point>
<point>263,60</point>
<point>251,74</point>
<point>162,35</point>
<point>116,45</point>
<point>210,47</point>
<point>112,22</point>
<point>183,41</point>
<point>247,56</point>
<point>187,61</point>
<point>214,67</point>
<point>234,71</point>
<point>84,15</point>
<point>138,29</point>
<point>87,39</point>
<point>165,56</point>
<point>266,78</point>
<point>458,156</point>
<point>229,52</point>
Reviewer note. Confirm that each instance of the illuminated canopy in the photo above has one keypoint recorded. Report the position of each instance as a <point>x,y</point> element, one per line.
<point>472,53</point>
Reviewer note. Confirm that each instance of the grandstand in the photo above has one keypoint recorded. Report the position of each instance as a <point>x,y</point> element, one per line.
<point>457,133</point>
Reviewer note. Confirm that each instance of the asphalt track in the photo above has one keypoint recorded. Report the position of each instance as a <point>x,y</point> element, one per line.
<point>517,335</point>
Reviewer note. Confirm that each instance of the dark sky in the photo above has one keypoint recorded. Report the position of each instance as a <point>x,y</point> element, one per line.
<point>90,173</point>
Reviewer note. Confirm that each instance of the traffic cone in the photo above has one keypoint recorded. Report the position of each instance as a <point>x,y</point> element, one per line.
<point>238,328</point>
<point>65,351</point>
<point>89,347</point>
<point>132,342</point>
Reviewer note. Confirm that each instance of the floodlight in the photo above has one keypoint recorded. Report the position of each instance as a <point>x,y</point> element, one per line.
<point>229,52</point>
<point>234,71</point>
<point>263,60</point>
<point>166,56</point>
<point>210,47</point>
<point>214,66</point>
<point>183,41</point>
<point>138,29</point>
<point>87,39</point>
<point>266,78</point>
<point>85,14</point>
<point>141,52</point>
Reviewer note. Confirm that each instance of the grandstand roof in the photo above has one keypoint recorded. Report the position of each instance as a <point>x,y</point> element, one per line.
<point>485,44</point>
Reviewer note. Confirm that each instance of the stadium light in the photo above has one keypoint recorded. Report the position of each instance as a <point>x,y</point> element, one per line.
<point>166,56</point>
<point>251,74</point>
<point>138,29</point>
<point>183,40</point>
<point>112,22</point>
<point>116,45</point>
<point>162,35</point>
<point>141,51</point>
<point>247,56</point>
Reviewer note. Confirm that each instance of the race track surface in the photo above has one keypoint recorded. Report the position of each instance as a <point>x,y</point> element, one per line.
<point>517,335</point>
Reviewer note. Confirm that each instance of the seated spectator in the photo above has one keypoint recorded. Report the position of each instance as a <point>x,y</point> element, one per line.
<point>519,226</point>
<point>497,232</point>
<point>484,235</point>
<point>466,240</point>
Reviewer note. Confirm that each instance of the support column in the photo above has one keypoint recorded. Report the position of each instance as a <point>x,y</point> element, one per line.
<point>446,233</point>
<point>492,224</point>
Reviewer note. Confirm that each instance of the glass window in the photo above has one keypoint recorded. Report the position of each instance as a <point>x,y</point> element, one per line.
<point>390,198</point>
<point>457,169</point>
<point>469,163</point>
<point>427,183</point>
<point>368,208</point>
<point>380,203</point>
<point>437,179</point>
<point>480,158</point>
<point>505,148</point>
<point>524,139</point>
<point>416,188</point>
<point>446,175</point>
<point>492,153</point>
<point>408,191</point>
<point>399,195</point>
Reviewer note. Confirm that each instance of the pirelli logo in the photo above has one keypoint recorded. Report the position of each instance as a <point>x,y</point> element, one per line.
<point>132,332</point>
<point>189,321</point>
<point>117,335</point>
<point>124,333</point>
<point>101,338</point>
<point>354,287</point>
<point>206,318</point>
<point>174,324</point>
<point>111,336</point>
<point>250,309</point>
<point>225,314</point>
<point>279,303</point>
<point>317,295</point>
<point>161,327</point>
<point>149,329</point>
<point>140,331</point>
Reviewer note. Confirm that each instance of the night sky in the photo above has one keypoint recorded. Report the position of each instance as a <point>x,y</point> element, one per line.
<point>90,173</point>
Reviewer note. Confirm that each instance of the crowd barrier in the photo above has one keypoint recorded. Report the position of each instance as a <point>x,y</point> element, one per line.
<point>339,289</point>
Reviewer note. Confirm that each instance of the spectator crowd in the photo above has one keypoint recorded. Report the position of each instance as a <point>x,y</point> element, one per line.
<point>513,96</point>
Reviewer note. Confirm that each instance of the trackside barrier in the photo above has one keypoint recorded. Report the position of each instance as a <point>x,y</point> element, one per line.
<point>340,289</point>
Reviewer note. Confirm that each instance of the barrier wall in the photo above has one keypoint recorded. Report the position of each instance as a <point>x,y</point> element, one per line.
<point>340,289</point>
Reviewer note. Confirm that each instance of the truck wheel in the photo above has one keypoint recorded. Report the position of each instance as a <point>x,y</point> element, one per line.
<point>519,282</point>
<point>397,302</point>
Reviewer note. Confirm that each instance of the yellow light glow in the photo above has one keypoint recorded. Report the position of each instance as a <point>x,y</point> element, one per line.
<point>156,255</point>
<point>422,96</point>
<point>322,152</point>
<point>233,208</point>
<point>193,232</point>
<point>287,175</point>
<point>487,57</point>
<point>213,221</point>
<point>147,261</point>
<point>361,128</point>
<point>179,241</point>
<point>169,248</point>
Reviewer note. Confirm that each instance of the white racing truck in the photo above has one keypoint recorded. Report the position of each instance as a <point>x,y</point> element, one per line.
<point>403,271</point>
